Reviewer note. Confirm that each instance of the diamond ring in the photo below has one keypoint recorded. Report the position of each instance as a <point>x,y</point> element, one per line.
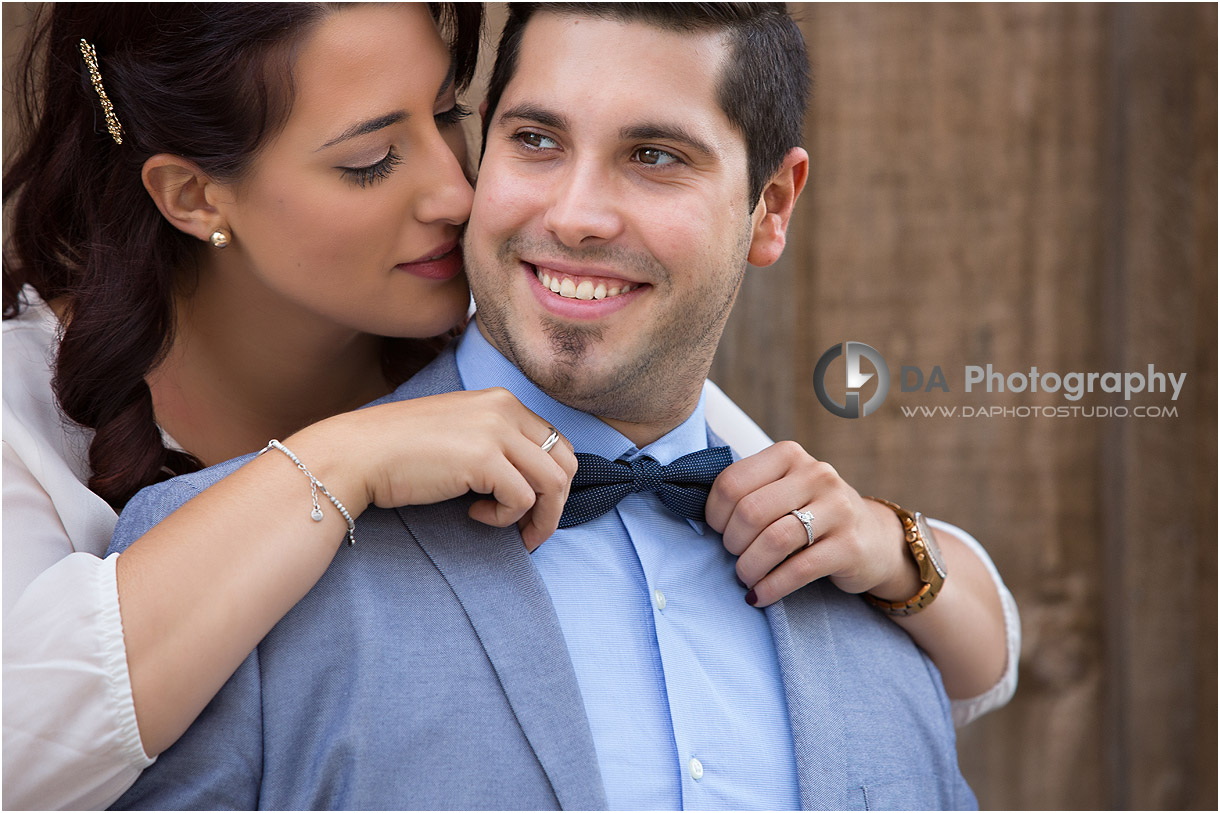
<point>806,519</point>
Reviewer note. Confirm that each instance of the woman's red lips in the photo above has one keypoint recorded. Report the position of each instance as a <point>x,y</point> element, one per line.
<point>442,264</point>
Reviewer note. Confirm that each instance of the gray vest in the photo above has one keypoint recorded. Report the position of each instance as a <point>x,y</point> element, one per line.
<point>427,670</point>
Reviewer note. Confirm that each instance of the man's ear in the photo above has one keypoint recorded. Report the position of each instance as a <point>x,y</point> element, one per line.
<point>186,196</point>
<point>775,208</point>
<point>483,112</point>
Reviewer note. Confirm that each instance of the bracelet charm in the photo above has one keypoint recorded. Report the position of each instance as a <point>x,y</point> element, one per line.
<point>315,485</point>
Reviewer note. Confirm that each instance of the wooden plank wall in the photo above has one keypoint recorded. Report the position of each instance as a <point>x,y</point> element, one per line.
<point>1026,185</point>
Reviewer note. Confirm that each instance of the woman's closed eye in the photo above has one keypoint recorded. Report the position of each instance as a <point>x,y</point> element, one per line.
<point>377,171</point>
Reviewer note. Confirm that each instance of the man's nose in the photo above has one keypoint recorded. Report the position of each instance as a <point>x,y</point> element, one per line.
<point>585,206</point>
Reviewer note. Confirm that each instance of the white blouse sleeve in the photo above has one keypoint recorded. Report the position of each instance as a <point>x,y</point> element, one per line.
<point>70,735</point>
<point>735,428</point>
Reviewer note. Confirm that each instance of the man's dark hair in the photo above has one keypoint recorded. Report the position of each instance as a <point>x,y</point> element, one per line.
<point>765,82</point>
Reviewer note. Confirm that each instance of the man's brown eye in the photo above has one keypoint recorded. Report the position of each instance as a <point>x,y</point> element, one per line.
<point>653,156</point>
<point>535,141</point>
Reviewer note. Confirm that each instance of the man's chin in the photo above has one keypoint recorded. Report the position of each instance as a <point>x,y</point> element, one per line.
<point>578,381</point>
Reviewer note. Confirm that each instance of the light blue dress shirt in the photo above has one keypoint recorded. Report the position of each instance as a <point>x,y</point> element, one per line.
<point>679,675</point>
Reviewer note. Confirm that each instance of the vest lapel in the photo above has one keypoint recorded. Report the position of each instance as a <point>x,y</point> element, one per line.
<point>509,607</point>
<point>809,666</point>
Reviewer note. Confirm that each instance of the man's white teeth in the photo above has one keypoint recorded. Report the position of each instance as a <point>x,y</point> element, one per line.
<point>568,289</point>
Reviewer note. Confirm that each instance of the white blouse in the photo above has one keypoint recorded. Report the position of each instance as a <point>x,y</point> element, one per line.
<point>70,734</point>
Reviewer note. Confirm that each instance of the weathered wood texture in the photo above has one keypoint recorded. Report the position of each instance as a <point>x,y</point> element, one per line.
<point>1026,185</point>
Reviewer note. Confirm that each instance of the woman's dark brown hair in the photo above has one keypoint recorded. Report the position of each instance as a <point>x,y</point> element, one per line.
<point>210,82</point>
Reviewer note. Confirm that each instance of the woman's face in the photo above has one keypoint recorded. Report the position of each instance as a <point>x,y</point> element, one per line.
<point>351,214</point>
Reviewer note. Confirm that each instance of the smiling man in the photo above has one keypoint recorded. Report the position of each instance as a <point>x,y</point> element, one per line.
<point>615,214</point>
<point>637,157</point>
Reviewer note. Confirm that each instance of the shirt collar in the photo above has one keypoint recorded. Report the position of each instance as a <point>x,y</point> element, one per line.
<point>481,365</point>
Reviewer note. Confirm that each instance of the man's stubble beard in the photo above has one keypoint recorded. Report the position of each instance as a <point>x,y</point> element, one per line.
<point>659,385</point>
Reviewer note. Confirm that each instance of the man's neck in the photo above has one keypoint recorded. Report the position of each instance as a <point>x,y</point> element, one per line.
<point>643,434</point>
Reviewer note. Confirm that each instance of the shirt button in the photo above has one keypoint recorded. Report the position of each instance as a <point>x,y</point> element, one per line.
<point>659,598</point>
<point>696,769</point>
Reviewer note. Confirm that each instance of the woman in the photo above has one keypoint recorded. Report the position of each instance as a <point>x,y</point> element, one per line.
<point>216,233</point>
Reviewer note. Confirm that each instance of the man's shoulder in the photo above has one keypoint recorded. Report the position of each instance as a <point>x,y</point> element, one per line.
<point>438,376</point>
<point>156,502</point>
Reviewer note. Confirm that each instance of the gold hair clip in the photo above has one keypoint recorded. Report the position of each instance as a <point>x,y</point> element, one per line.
<point>112,121</point>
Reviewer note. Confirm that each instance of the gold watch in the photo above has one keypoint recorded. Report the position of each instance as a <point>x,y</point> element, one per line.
<point>927,555</point>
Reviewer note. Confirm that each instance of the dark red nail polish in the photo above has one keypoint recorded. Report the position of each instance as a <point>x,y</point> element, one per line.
<point>740,582</point>
<point>751,598</point>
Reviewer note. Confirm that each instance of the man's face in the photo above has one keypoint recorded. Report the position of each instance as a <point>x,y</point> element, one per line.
<point>611,220</point>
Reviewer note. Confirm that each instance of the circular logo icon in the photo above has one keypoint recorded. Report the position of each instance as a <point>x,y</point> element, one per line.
<point>855,379</point>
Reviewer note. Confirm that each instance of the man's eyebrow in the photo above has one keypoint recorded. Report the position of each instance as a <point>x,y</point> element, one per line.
<point>366,127</point>
<point>666,132</point>
<point>536,114</point>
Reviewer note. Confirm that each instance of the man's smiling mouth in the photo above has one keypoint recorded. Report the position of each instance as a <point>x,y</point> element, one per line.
<point>571,286</point>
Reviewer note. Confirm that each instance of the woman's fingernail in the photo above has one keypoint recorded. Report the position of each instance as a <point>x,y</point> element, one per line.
<point>740,582</point>
<point>751,598</point>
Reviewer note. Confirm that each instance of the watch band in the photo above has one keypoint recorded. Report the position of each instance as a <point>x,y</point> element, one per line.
<point>927,557</point>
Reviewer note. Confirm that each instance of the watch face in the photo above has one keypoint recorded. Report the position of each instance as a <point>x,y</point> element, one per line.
<point>930,545</point>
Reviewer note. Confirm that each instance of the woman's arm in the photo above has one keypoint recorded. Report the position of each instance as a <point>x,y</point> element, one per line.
<point>967,709</point>
<point>202,588</point>
<point>963,630</point>
<point>198,591</point>
<point>970,632</point>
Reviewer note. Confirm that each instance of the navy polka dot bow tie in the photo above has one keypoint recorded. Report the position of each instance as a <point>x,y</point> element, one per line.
<point>682,486</point>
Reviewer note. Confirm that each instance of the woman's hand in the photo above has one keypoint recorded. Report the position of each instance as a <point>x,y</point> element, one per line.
<point>431,449</point>
<point>858,543</point>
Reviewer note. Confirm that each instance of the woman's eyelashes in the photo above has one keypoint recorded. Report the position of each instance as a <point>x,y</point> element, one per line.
<point>453,115</point>
<point>377,171</point>
<point>380,170</point>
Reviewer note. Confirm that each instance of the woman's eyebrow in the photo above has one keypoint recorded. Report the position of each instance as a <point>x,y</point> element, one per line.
<point>366,127</point>
<point>381,122</point>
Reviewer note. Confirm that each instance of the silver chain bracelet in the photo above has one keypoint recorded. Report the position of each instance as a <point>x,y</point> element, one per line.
<point>315,485</point>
